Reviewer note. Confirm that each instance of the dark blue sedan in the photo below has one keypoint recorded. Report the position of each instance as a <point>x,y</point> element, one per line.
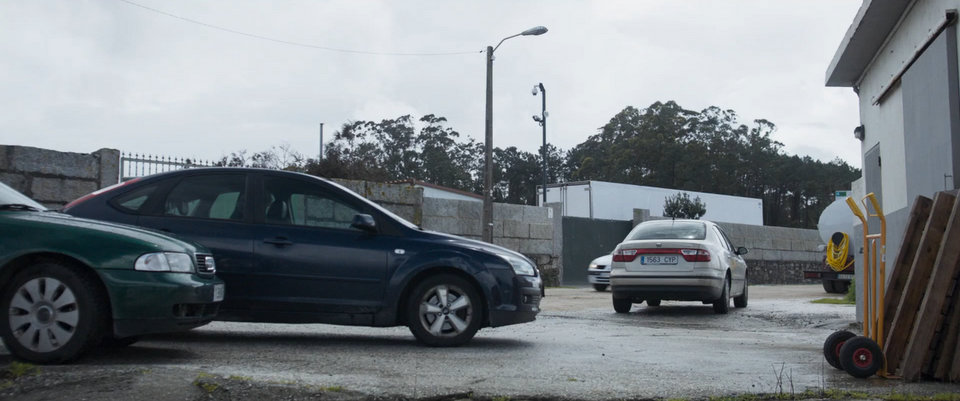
<point>294,248</point>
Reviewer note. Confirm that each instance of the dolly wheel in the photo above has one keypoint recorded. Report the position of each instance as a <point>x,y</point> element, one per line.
<point>831,347</point>
<point>861,357</point>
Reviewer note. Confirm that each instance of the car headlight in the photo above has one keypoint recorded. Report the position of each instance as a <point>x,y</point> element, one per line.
<point>165,262</point>
<point>521,266</point>
<point>593,266</point>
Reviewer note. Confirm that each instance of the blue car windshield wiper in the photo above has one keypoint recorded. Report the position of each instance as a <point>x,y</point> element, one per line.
<point>18,206</point>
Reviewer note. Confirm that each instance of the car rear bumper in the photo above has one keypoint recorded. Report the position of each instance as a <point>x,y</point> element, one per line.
<point>705,289</point>
<point>152,302</point>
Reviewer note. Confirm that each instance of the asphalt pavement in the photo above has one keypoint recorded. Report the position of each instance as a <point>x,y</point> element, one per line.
<point>578,348</point>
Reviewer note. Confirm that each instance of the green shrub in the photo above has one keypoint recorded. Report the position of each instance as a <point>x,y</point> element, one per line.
<point>851,292</point>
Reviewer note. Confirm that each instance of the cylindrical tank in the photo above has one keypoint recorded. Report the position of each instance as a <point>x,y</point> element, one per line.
<point>836,217</point>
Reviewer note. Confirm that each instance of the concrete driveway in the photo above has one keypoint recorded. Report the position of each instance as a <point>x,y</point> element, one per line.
<point>578,348</point>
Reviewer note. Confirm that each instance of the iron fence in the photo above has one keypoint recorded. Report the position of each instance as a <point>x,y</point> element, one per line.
<point>134,165</point>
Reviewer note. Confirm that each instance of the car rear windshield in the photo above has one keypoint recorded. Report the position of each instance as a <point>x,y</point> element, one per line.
<point>668,230</point>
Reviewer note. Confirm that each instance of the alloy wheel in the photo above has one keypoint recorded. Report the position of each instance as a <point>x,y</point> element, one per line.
<point>445,311</point>
<point>43,314</point>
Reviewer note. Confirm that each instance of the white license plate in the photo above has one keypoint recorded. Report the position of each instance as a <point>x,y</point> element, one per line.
<point>218,291</point>
<point>659,260</point>
<point>845,276</point>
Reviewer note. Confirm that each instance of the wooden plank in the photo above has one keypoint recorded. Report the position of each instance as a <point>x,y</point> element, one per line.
<point>900,269</point>
<point>954,375</point>
<point>917,280</point>
<point>943,358</point>
<point>930,317</point>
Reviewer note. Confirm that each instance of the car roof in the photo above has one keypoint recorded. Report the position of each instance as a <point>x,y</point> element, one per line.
<point>198,170</point>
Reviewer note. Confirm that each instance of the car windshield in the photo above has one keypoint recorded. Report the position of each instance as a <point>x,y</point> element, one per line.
<point>668,229</point>
<point>11,199</point>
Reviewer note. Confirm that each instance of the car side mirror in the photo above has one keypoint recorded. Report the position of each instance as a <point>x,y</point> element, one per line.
<point>741,251</point>
<point>364,222</point>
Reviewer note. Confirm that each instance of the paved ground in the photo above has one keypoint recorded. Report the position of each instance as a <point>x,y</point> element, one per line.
<point>578,348</point>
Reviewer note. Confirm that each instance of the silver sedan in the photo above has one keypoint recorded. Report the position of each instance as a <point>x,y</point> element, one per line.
<point>598,272</point>
<point>681,260</point>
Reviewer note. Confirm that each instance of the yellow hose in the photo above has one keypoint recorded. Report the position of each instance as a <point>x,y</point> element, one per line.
<point>837,253</point>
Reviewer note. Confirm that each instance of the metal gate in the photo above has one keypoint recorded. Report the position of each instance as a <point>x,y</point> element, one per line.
<point>585,239</point>
<point>137,165</point>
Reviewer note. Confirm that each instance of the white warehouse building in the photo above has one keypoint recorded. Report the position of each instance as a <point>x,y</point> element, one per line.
<point>612,201</point>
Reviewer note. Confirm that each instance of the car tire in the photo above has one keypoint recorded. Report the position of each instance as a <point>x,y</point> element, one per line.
<point>829,287</point>
<point>832,345</point>
<point>861,357</point>
<point>740,301</point>
<point>600,287</point>
<point>722,306</point>
<point>653,302</point>
<point>444,311</point>
<point>51,313</point>
<point>622,305</point>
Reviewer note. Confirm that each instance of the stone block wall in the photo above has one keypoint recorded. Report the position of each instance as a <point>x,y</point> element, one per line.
<point>777,255</point>
<point>55,178</point>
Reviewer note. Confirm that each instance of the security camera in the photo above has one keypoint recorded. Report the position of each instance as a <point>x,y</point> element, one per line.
<point>534,91</point>
<point>537,118</point>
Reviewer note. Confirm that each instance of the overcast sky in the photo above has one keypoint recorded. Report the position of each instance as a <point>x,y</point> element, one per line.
<point>82,75</point>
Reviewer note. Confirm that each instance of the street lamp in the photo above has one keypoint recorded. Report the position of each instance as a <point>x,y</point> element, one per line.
<point>488,139</point>
<point>542,120</point>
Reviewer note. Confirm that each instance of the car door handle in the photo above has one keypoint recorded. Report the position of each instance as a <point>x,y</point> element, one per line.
<point>278,241</point>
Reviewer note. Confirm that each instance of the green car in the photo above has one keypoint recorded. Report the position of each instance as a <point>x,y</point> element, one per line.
<point>68,284</point>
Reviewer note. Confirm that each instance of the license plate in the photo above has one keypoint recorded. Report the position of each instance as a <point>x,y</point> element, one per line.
<point>659,260</point>
<point>218,291</point>
<point>845,276</point>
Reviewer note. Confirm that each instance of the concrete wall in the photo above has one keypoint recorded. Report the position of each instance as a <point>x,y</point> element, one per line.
<point>530,230</point>
<point>777,255</point>
<point>54,178</point>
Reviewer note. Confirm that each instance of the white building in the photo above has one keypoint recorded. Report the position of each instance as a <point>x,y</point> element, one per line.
<point>612,201</point>
<point>900,58</point>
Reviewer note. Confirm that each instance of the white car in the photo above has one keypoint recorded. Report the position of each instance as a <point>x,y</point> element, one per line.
<point>598,272</point>
<point>680,260</point>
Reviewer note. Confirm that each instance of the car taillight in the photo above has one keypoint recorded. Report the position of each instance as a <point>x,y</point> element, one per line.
<point>695,255</point>
<point>625,255</point>
<point>98,192</point>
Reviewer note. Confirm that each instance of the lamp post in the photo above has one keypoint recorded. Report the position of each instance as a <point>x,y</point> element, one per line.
<point>488,137</point>
<point>542,120</point>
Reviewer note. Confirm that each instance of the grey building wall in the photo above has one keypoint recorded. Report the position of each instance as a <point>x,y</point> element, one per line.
<point>55,178</point>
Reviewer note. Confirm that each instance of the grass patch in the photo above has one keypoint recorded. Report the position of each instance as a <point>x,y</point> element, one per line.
<point>17,370</point>
<point>833,301</point>
<point>332,389</point>
<point>912,397</point>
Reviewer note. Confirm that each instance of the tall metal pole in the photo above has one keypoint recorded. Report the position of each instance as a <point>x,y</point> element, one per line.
<point>488,155</point>
<point>321,143</point>
<point>543,153</point>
